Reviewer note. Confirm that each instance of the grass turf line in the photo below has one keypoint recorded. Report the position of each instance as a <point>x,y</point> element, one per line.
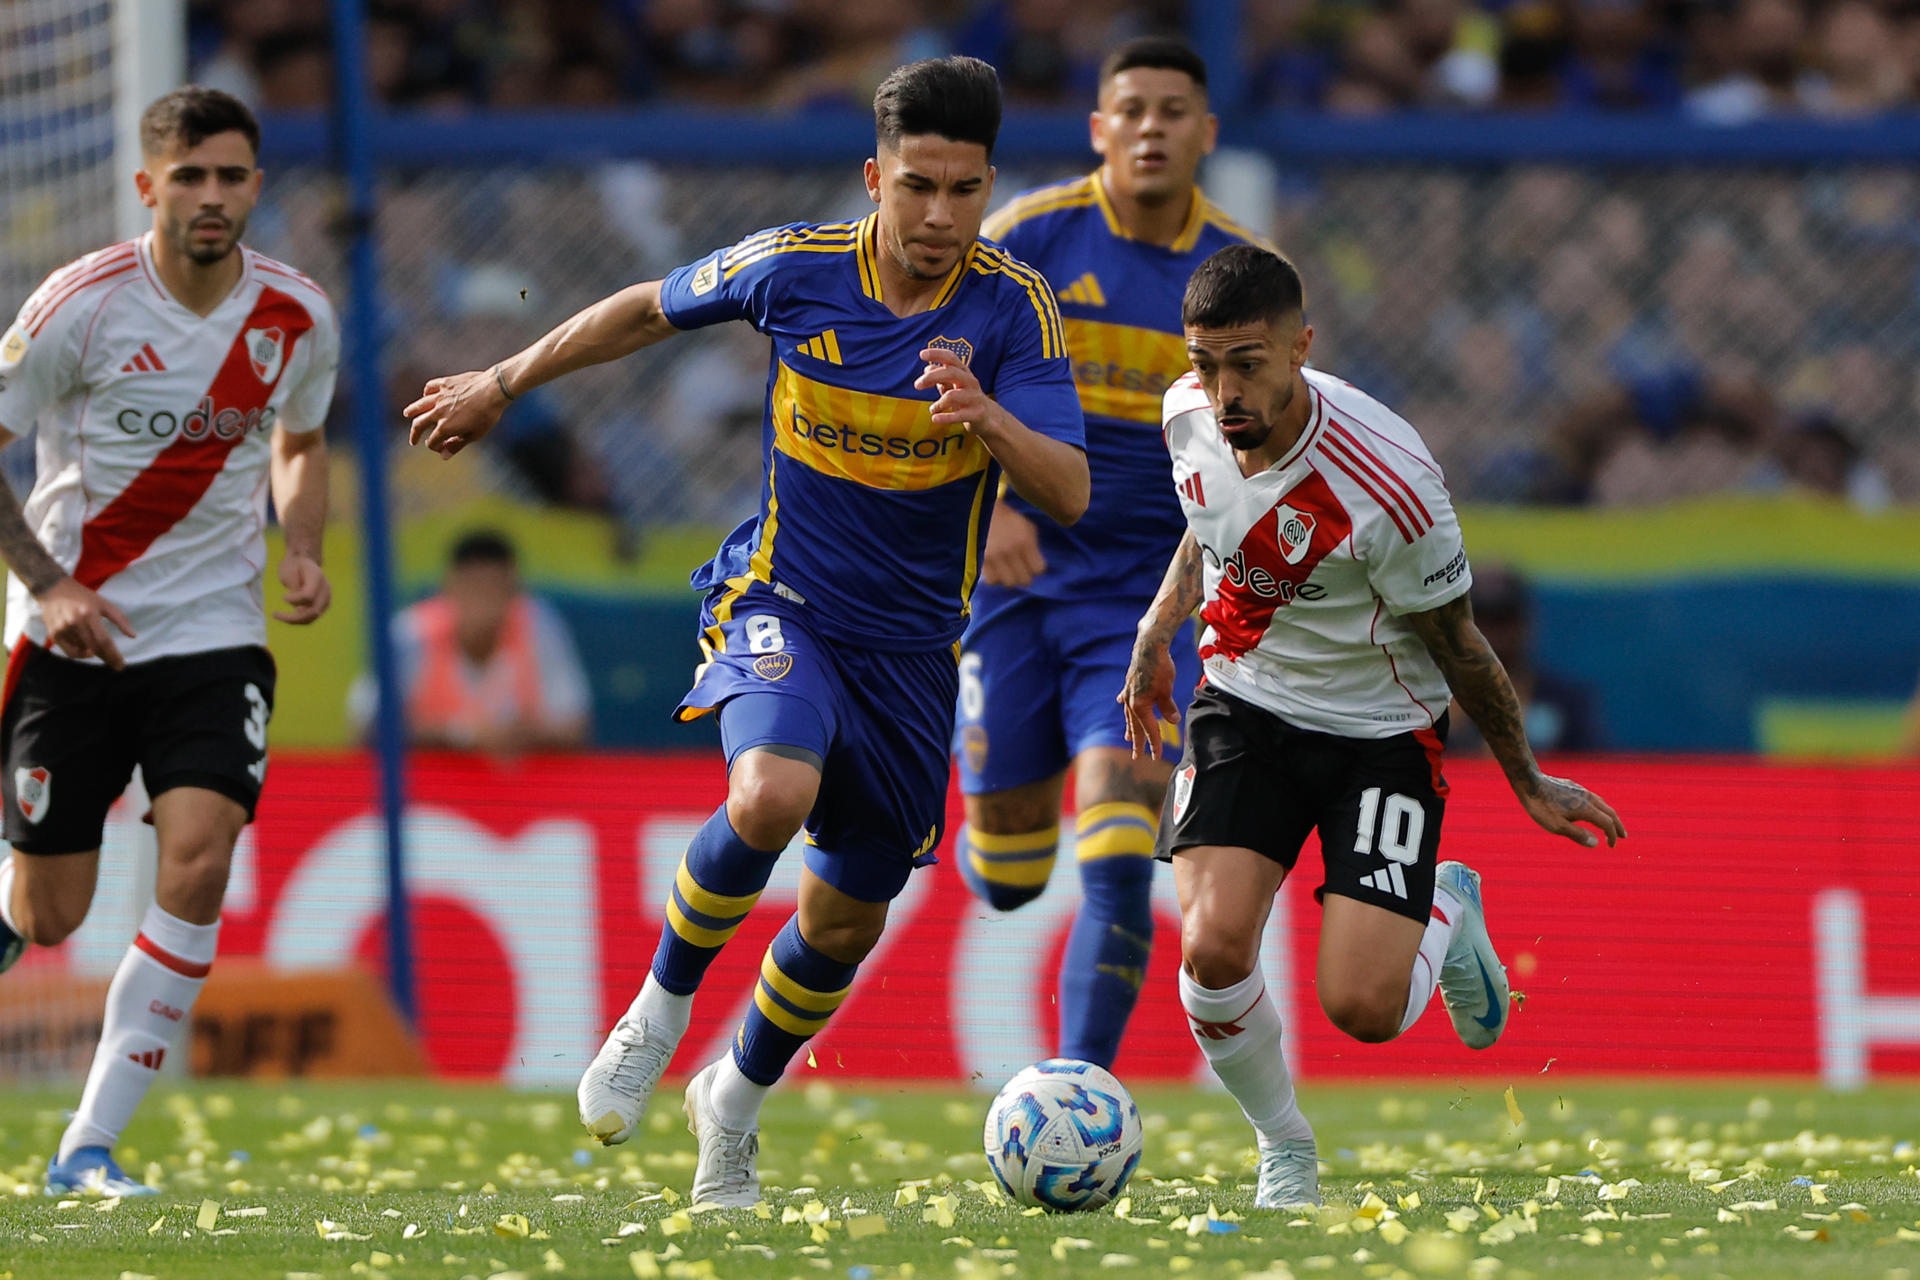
<point>1746,1180</point>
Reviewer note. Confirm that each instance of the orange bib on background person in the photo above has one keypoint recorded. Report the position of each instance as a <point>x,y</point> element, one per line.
<point>446,702</point>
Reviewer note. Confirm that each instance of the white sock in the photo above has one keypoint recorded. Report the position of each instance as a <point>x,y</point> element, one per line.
<point>1238,1031</point>
<point>1433,954</point>
<point>736,1099</point>
<point>661,1008</point>
<point>147,1003</point>
<point>6,893</point>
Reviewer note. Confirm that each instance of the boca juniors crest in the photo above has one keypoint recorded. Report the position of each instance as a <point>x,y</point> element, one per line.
<point>773,666</point>
<point>962,349</point>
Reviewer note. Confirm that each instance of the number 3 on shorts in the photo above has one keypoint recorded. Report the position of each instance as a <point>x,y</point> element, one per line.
<point>763,634</point>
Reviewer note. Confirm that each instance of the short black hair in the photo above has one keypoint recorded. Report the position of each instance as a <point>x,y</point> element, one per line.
<point>190,115</point>
<point>1241,284</point>
<point>1162,52</point>
<point>482,546</point>
<point>957,98</point>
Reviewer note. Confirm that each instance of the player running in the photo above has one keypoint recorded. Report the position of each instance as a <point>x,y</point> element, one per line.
<point>1324,546</point>
<point>174,379</point>
<point>1054,622</point>
<point>911,363</point>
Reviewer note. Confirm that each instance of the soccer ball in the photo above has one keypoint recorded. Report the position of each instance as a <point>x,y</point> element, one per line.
<point>1064,1135</point>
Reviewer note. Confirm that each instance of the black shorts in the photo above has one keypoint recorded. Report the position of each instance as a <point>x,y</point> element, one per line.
<point>73,731</point>
<point>1250,780</point>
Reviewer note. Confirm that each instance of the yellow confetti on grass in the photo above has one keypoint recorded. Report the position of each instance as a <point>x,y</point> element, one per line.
<point>158,1223</point>
<point>512,1226</point>
<point>1513,1109</point>
<point>208,1215</point>
<point>871,1224</point>
<point>905,1196</point>
<point>675,1223</point>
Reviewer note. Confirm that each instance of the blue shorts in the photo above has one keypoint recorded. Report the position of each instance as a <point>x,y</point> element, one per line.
<point>1038,685</point>
<point>880,723</point>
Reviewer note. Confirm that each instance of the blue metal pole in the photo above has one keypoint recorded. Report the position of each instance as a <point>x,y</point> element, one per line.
<point>1215,28</point>
<point>354,157</point>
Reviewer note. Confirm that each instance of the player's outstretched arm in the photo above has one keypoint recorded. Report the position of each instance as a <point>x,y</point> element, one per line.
<point>1147,693</point>
<point>298,473</point>
<point>454,411</point>
<point>1049,473</point>
<point>1481,686</point>
<point>76,617</point>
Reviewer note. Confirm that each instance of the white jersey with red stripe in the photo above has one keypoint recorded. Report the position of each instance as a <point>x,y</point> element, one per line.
<point>1311,565</point>
<point>154,438</point>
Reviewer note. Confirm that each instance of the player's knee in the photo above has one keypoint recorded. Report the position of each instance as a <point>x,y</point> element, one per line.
<point>767,805</point>
<point>1217,959</point>
<point>1007,871</point>
<point>847,940</point>
<point>48,922</point>
<point>1371,1017</point>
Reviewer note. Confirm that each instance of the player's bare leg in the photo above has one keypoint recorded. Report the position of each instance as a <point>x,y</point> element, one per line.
<point>1366,956</point>
<point>1007,848</point>
<point>1226,895</point>
<point>43,899</point>
<point>1104,964</point>
<point>770,791</point>
<point>155,986</point>
<point>806,975</point>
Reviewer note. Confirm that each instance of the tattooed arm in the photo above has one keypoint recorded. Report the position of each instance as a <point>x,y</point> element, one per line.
<point>76,618</point>
<point>1480,684</point>
<point>1148,692</point>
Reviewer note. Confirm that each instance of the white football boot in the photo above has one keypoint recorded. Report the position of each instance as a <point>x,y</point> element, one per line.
<point>1473,982</point>
<point>729,1170</point>
<point>621,1078</point>
<point>1289,1175</point>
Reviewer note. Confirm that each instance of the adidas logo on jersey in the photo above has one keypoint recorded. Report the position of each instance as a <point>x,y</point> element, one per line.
<point>145,360</point>
<point>149,1058</point>
<point>1085,291</point>
<point>1195,491</point>
<point>824,347</point>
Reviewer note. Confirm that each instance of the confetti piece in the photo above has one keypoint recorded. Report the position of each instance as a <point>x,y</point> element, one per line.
<point>208,1215</point>
<point>675,1223</point>
<point>871,1224</point>
<point>905,1196</point>
<point>1513,1109</point>
<point>1113,1261</point>
<point>512,1226</point>
<point>644,1267</point>
<point>158,1223</point>
<point>812,1061</point>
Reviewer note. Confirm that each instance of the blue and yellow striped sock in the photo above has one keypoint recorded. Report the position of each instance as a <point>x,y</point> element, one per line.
<point>799,990</point>
<point>1105,963</point>
<point>719,880</point>
<point>1007,871</point>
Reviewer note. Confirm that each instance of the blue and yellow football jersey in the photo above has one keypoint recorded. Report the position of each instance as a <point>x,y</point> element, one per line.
<point>870,515</point>
<point>1120,301</point>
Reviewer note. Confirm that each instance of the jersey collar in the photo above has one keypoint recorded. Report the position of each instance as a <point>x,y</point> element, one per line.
<point>1305,442</point>
<point>143,244</point>
<point>867,258</point>
<point>1189,231</point>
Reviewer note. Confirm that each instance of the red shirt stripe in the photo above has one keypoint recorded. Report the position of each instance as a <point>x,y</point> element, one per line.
<point>38,320</point>
<point>1394,478</point>
<point>1386,504</point>
<point>162,495</point>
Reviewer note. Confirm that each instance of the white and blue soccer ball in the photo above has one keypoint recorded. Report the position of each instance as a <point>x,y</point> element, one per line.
<point>1063,1135</point>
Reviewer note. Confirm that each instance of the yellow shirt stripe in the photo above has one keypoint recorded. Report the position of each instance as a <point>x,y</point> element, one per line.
<point>885,442</point>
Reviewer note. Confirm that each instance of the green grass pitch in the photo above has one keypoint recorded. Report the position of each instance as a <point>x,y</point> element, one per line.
<point>1744,1180</point>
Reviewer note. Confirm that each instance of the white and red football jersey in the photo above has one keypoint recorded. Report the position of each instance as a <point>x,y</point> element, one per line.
<point>1310,564</point>
<point>154,427</point>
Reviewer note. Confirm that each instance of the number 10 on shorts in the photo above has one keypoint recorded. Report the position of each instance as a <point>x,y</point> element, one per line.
<point>1393,831</point>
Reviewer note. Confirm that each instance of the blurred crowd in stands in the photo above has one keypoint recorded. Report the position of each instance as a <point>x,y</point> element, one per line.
<point>1725,61</point>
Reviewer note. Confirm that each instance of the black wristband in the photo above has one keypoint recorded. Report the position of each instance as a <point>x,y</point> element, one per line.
<point>500,380</point>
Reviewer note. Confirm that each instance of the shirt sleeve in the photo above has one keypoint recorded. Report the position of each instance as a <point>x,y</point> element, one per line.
<point>38,370</point>
<point>1034,382</point>
<point>1418,560</point>
<point>306,406</point>
<point>734,283</point>
<point>563,678</point>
